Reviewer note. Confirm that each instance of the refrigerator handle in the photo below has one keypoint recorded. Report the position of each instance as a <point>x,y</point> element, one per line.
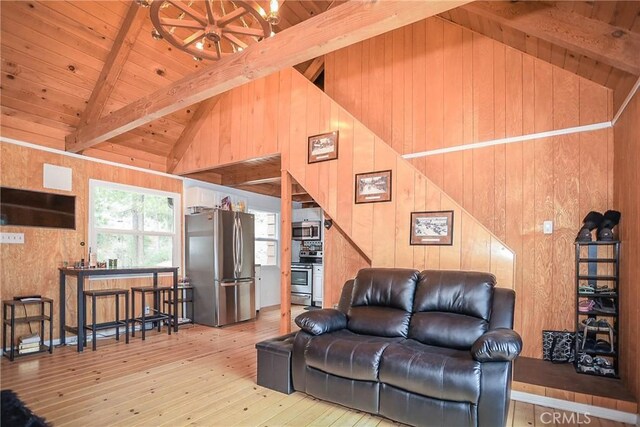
<point>235,251</point>
<point>237,244</point>
<point>241,250</point>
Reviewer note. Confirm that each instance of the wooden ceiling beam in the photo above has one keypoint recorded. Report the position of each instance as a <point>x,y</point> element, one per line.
<point>314,69</point>
<point>206,176</point>
<point>266,189</point>
<point>334,29</point>
<point>116,59</point>
<point>256,178</point>
<point>589,37</point>
<point>189,132</point>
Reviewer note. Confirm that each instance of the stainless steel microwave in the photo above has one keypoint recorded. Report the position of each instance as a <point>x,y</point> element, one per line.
<point>306,230</point>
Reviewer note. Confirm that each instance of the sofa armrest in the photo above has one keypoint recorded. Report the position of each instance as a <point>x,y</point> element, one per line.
<point>497,345</point>
<point>318,322</point>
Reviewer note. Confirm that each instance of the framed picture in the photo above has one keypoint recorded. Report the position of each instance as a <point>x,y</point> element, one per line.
<point>432,228</point>
<point>373,187</point>
<point>323,147</point>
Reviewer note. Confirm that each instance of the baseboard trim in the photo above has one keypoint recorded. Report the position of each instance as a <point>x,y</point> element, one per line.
<point>565,405</point>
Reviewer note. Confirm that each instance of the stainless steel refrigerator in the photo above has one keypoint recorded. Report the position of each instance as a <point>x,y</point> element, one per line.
<point>219,248</point>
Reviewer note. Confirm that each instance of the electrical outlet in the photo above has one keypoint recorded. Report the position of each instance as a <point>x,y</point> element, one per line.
<point>547,227</point>
<point>15,238</point>
<point>147,310</point>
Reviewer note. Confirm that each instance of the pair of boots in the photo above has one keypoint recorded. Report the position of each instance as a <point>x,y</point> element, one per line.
<point>604,224</point>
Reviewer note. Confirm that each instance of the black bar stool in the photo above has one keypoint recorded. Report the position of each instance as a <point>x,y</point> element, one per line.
<point>95,326</point>
<point>157,316</point>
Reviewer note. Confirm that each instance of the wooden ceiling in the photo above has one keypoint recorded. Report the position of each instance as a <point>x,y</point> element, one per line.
<point>598,40</point>
<point>55,54</point>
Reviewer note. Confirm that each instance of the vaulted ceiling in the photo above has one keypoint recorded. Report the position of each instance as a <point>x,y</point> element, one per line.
<point>55,54</point>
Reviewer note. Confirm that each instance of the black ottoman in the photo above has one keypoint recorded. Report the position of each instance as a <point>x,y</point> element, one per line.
<point>274,363</point>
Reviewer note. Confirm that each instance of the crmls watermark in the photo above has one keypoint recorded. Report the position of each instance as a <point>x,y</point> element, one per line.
<point>560,418</point>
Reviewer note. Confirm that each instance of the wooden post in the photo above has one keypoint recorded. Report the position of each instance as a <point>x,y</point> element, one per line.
<point>285,253</point>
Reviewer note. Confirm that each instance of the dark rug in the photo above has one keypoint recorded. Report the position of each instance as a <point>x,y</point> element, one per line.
<point>15,414</point>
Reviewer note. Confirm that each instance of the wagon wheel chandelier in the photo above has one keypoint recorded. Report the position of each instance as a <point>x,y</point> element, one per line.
<point>211,29</point>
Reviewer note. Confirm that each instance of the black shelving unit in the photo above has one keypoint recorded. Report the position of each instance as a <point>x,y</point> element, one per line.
<point>597,279</point>
<point>11,320</point>
<point>183,305</point>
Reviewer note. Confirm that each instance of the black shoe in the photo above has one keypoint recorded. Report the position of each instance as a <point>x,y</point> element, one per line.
<point>604,305</point>
<point>590,222</point>
<point>605,228</point>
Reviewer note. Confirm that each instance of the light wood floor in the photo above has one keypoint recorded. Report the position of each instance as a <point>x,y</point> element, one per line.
<point>200,376</point>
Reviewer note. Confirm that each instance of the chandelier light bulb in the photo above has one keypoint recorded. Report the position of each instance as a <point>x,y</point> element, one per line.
<point>200,45</point>
<point>156,35</point>
<point>273,6</point>
<point>273,17</point>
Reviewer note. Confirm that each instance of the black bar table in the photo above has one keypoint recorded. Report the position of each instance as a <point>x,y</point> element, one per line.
<point>82,273</point>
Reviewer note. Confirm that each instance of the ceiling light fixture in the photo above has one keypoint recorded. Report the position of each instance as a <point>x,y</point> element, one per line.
<point>211,29</point>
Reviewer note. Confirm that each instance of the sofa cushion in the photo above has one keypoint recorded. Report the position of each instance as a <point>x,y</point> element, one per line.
<point>380,321</point>
<point>435,372</point>
<point>446,329</point>
<point>381,302</point>
<point>452,308</point>
<point>387,287</point>
<point>346,354</point>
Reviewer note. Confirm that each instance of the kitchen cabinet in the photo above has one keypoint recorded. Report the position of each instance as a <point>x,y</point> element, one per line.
<point>308,214</point>
<point>258,279</point>
<point>318,282</point>
<point>198,196</point>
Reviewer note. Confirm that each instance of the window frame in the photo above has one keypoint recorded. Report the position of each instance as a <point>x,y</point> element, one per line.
<point>177,217</point>
<point>276,240</point>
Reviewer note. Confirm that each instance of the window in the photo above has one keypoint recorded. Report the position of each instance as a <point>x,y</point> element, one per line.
<point>137,226</point>
<point>266,230</point>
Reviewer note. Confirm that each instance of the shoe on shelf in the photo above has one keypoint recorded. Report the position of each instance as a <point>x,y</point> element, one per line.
<point>585,289</point>
<point>585,364</point>
<point>603,325</point>
<point>602,345</point>
<point>604,305</point>
<point>605,228</point>
<point>590,223</point>
<point>589,344</point>
<point>586,305</point>
<point>603,366</point>
<point>605,290</point>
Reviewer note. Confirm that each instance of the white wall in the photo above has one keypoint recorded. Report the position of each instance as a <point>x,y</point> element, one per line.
<point>270,291</point>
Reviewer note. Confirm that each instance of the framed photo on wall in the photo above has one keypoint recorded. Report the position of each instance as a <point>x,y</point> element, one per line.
<point>432,228</point>
<point>323,147</point>
<point>373,187</point>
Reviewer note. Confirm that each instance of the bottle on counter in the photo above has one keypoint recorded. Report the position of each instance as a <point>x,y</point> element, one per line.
<point>92,259</point>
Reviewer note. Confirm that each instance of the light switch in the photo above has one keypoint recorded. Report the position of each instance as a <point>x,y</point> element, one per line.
<point>547,227</point>
<point>16,238</point>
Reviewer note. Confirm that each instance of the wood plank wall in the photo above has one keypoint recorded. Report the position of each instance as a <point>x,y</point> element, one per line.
<point>342,262</point>
<point>32,268</point>
<point>380,230</point>
<point>433,85</point>
<point>627,201</point>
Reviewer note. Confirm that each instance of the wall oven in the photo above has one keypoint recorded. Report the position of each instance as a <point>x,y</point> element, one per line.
<point>306,230</point>
<point>301,283</point>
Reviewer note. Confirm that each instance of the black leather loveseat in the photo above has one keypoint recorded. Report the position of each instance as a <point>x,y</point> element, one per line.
<point>429,348</point>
